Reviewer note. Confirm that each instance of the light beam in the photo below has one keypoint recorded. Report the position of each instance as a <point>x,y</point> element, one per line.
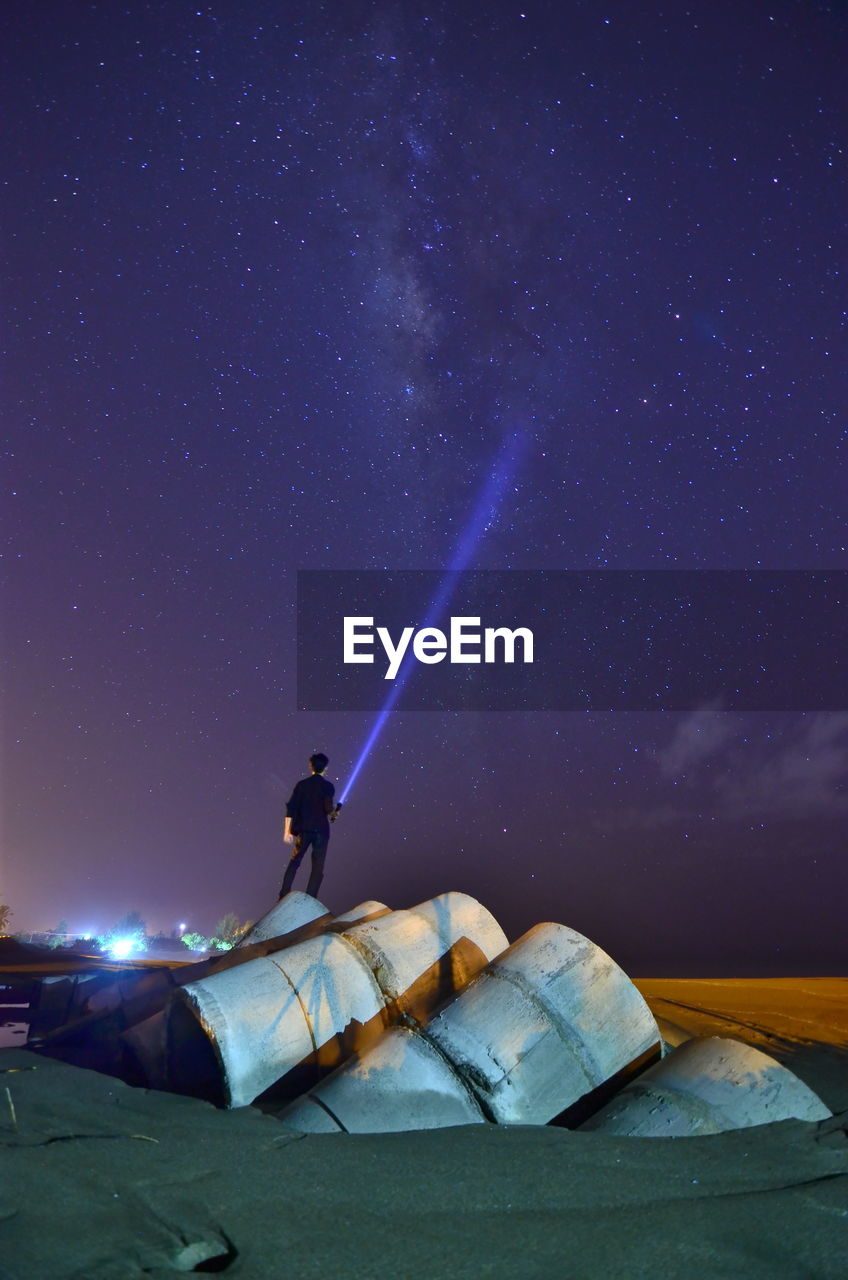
<point>482,518</point>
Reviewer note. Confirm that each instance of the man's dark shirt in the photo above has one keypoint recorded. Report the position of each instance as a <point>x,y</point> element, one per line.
<point>310,803</point>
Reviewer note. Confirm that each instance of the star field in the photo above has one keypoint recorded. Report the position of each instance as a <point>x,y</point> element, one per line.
<point>278,281</point>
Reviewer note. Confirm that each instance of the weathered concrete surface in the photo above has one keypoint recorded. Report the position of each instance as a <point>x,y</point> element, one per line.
<point>367,910</point>
<point>544,1024</point>
<point>425,954</point>
<point>292,911</point>
<point>265,1017</point>
<point>541,1026</point>
<point>708,1085</point>
<point>400,1082</point>
<point>233,1034</point>
<point>99,1028</point>
<point>137,991</point>
<point>145,1041</point>
<point>53,999</point>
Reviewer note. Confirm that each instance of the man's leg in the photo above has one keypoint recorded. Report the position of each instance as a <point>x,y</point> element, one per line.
<point>319,853</point>
<point>301,844</point>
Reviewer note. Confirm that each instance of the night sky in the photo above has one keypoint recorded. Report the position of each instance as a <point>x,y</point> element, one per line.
<point>279,280</point>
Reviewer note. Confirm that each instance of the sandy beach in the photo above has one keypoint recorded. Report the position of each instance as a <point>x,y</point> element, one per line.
<point>101,1181</point>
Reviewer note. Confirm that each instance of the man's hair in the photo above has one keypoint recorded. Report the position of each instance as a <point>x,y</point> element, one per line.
<point>319,761</point>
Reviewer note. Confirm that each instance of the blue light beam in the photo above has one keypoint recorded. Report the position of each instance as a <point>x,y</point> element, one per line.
<point>481,520</point>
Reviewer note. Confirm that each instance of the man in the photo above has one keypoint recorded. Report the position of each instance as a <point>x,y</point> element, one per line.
<point>307,823</point>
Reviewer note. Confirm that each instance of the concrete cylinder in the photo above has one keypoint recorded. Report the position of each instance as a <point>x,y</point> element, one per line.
<point>145,1042</point>
<point>263,1018</point>
<point>546,1023</point>
<point>399,1082</point>
<point>145,1037</point>
<point>707,1085</point>
<point>541,1026</point>
<point>362,911</point>
<point>138,995</point>
<point>234,1033</point>
<point>292,911</point>
<point>50,1005</point>
<point>425,954</point>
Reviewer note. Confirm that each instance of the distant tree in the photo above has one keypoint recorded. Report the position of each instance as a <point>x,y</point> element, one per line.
<point>130,925</point>
<point>58,934</point>
<point>195,941</point>
<point>228,929</point>
<point>5,913</point>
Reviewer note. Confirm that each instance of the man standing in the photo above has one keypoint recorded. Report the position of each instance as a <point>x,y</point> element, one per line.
<point>307,823</point>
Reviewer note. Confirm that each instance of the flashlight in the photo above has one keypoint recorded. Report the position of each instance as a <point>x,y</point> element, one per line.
<point>336,811</point>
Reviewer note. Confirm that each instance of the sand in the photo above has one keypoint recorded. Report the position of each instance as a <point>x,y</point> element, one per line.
<point>100,1181</point>
<point>802,1022</point>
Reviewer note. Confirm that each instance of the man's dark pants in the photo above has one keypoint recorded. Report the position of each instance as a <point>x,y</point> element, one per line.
<point>318,840</point>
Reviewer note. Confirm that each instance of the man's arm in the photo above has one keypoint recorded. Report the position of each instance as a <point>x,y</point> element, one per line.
<point>291,810</point>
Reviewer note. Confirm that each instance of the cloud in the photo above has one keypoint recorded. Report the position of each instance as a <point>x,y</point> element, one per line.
<point>697,738</point>
<point>804,776</point>
<point>744,767</point>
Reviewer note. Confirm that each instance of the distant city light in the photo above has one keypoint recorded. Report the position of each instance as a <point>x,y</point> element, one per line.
<point>120,948</point>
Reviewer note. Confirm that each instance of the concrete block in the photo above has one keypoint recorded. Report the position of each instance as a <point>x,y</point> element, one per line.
<point>707,1085</point>
<point>400,1082</point>
<point>292,911</point>
<point>362,911</point>
<point>233,1033</point>
<point>517,1045</point>
<point>544,1024</point>
<point>51,1005</point>
<point>425,954</point>
<point>268,1016</point>
<point>306,1115</point>
<point>146,1042</point>
<point>341,1000</point>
